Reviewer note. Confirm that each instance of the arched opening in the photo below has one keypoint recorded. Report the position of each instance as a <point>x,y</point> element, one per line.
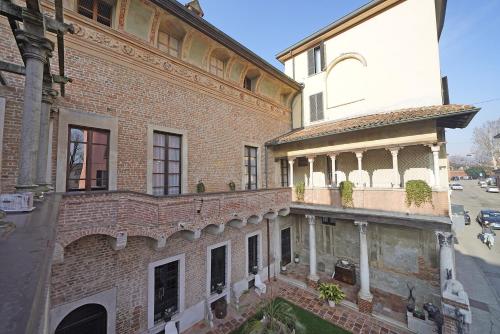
<point>345,80</point>
<point>170,37</point>
<point>89,318</point>
<point>251,78</point>
<point>218,61</point>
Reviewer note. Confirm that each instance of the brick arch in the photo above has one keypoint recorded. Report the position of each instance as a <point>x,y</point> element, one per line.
<point>66,240</point>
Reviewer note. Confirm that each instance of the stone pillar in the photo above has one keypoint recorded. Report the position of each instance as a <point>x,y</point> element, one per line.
<point>36,50</point>
<point>365,297</point>
<point>48,97</point>
<point>395,167</point>
<point>290,172</point>
<point>311,171</point>
<point>435,155</point>
<point>313,276</point>
<point>276,245</point>
<point>359,156</point>
<point>334,169</point>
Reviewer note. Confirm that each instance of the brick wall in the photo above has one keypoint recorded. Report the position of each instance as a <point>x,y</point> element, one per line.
<point>139,95</point>
<point>91,266</point>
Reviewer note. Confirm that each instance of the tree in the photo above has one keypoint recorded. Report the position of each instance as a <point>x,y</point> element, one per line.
<point>475,172</point>
<point>276,317</point>
<point>485,146</point>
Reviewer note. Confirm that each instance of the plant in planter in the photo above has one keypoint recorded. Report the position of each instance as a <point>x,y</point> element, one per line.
<point>346,190</point>
<point>219,288</point>
<point>276,317</point>
<point>283,267</point>
<point>331,292</point>
<point>299,190</point>
<point>296,258</point>
<point>169,313</point>
<point>232,186</point>
<point>418,192</point>
<point>255,270</point>
<point>200,187</point>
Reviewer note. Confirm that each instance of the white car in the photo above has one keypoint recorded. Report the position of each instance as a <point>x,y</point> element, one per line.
<point>492,189</point>
<point>483,184</point>
<point>456,186</point>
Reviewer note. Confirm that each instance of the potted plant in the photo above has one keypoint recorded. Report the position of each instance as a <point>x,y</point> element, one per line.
<point>255,270</point>
<point>219,288</point>
<point>296,258</point>
<point>283,267</point>
<point>331,292</point>
<point>169,313</point>
<point>232,186</point>
<point>200,187</point>
<point>277,316</point>
<point>299,190</point>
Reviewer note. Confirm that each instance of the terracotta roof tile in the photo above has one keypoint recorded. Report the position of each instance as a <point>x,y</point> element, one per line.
<point>376,120</point>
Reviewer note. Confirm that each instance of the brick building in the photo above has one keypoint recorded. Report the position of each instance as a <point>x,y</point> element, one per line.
<point>152,104</point>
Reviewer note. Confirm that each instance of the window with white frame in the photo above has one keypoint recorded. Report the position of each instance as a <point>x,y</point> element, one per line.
<point>253,254</point>
<point>250,167</point>
<point>166,163</point>
<point>218,269</point>
<point>166,290</point>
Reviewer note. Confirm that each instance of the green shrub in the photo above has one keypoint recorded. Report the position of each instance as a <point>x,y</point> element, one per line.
<point>418,192</point>
<point>200,187</point>
<point>346,190</point>
<point>330,291</point>
<point>232,186</point>
<point>299,190</point>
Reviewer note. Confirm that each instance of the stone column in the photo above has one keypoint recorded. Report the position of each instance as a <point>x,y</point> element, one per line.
<point>395,167</point>
<point>290,172</point>
<point>359,156</point>
<point>313,276</point>
<point>311,171</point>
<point>48,97</point>
<point>435,155</point>
<point>333,158</point>
<point>364,295</point>
<point>36,50</point>
<point>276,245</point>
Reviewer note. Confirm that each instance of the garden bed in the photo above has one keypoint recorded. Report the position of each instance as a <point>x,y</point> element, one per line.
<point>312,323</point>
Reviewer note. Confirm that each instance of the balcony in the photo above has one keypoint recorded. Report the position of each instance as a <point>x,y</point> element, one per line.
<point>378,199</point>
<point>122,213</point>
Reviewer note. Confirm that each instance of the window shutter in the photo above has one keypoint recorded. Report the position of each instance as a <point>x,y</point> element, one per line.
<point>310,61</point>
<point>323,55</point>
<point>319,106</point>
<point>312,107</point>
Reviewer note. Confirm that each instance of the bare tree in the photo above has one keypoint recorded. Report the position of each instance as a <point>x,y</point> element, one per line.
<point>485,146</point>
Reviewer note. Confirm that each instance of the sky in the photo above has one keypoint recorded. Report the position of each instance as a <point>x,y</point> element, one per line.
<point>470,44</point>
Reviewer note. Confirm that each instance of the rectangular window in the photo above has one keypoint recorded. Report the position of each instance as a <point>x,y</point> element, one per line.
<point>286,246</point>
<point>217,67</point>
<point>316,107</point>
<point>284,172</point>
<point>250,167</point>
<point>97,10</point>
<point>166,290</point>
<point>247,84</point>
<point>218,269</point>
<point>166,163</point>
<point>316,59</point>
<point>168,44</point>
<point>253,254</point>
<point>88,159</point>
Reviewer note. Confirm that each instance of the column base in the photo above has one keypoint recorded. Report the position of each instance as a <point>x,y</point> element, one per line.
<point>312,282</point>
<point>313,278</point>
<point>365,304</point>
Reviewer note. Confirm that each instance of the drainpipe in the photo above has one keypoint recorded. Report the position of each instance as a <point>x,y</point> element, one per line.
<point>268,253</point>
<point>265,164</point>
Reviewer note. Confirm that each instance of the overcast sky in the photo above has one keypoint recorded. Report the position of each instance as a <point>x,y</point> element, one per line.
<point>470,44</point>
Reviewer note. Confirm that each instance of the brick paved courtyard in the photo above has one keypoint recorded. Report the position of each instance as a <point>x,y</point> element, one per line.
<point>341,316</point>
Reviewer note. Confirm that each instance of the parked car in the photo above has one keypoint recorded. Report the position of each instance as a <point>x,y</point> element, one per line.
<point>492,189</point>
<point>467,218</point>
<point>456,186</point>
<point>483,184</point>
<point>489,217</point>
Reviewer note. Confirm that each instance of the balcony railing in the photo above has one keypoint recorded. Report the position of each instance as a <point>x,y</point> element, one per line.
<point>378,199</point>
<point>120,214</point>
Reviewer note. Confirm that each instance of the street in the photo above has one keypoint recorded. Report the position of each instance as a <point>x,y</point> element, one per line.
<point>478,268</point>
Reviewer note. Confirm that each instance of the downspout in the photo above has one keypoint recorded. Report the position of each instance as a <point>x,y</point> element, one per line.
<point>265,164</point>
<point>268,253</point>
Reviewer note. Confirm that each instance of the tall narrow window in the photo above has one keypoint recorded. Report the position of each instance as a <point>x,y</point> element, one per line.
<point>168,44</point>
<point>217,269</point>
<point>166,164</point>
<point>217,66</point>
<point>286,246</point>
<point>253,254</point>
<point>284,172</point>
<point>88,159</point>
<point>316,59</point>
<point>247,84</point>
<point>316,107</point>
<point>97,10</point>
<point>250,167</point>
<point>166,289</point>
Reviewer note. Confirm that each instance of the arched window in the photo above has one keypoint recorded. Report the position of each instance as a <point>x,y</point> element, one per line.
<point>250,81</point>
<point>217,62</point>
<point>89,318</point>
<point>170,38</point>
<point>345,81</point>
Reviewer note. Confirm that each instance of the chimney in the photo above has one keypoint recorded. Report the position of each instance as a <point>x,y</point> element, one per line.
<point>195,7</point>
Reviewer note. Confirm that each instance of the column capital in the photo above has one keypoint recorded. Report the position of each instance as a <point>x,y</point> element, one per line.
<point>291,160</point>
<point>394,150</point>
<point>311,158</point>
<point>359,154</point>
<point>48,95</point>
<point>34,46</point>
<point>445,239</point>
<point>311,219</point>
<point>362,226</point>
<point>435,147</point>
<point>332,155</point>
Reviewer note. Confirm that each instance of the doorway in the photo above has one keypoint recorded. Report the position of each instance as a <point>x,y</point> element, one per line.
<point>89,318</point>
<point>286,246</point>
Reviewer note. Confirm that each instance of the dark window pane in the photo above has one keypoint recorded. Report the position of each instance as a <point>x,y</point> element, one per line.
<point>174,141</point>
<point>218,268</point>
<point>253,260</point>
<point>166,289</point>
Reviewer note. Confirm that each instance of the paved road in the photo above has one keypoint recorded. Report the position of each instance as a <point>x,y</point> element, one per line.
<point>478,268</point>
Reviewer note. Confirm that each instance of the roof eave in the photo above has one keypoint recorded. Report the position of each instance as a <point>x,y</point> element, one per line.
<point>470,113</point>
<point>177,9</point>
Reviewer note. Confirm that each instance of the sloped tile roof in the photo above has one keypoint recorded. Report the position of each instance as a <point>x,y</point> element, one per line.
<point>453,115</point>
